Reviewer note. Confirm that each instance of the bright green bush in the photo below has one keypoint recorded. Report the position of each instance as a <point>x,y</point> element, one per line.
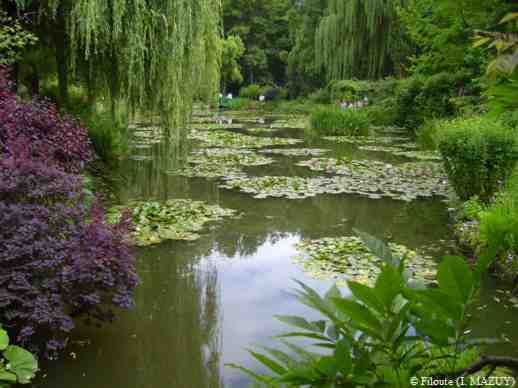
<point>479,155</point>
<point>510,119</point>
<point>330,121</point>
<point>238,103</point>
<point>472,209</point>
<point>499,226</point>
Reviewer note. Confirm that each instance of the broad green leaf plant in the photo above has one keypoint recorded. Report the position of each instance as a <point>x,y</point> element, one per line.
<point>17,365</point>
<point>382,335</point>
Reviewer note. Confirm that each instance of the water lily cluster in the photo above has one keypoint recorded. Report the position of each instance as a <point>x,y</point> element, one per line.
<point>220,162</point>
<point>369,178</point>
<point>348,258</point>
<point>237,140</point>
<point>174,219</point>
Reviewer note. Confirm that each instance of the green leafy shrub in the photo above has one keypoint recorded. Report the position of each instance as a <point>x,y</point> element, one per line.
<point>320,96</point>
<point>238,103</point>
<point>427,135</point>
<point>348,89</point>
<point>17,365</point>
<point>418,98</point>
<point>499,226</point>
<point>334,121</point>
<point>381,114</point>
<point>510,119</point>
<point>252,91</point>
<point>479,155</point>
<point>472,209</point>
<point>382,335</point>
<point>107,137</point>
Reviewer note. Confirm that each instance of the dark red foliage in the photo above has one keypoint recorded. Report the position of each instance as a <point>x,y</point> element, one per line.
<point>58,257</point>
<point>49,136</point>
<point>55,264</point>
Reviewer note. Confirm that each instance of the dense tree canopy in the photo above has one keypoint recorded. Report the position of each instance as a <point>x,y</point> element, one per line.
<point>157,55</point>
<point>263,26</point>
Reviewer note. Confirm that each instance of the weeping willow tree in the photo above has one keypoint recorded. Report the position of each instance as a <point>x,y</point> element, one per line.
<point>359,38</point>
<point>151,56</point>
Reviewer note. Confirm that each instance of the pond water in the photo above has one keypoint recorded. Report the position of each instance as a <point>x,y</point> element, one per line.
<point>202,303</point>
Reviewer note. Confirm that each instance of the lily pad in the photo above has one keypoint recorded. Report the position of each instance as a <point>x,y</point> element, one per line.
<point>216,126</point>
<point>295,152</point>
<point>348,258</point>
<point>237,140</point>
<point>376,179</point>
<point>276,186</point>
<point>174,219</point>
<point>404,150</point>
<point>220,162</point>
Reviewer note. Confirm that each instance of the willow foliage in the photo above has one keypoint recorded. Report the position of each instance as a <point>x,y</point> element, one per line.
<point>358,38</point>
<point>150,55</point>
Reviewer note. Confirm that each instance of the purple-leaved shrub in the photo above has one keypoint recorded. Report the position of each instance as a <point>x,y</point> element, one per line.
<point>49,136</point>
<point>59,259</point>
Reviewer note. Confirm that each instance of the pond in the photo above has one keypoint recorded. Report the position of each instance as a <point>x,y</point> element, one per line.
<point>202,303</point>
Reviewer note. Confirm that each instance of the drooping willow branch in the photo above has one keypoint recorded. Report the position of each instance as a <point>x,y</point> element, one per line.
<point>357,38</point>
<point>150,55</point>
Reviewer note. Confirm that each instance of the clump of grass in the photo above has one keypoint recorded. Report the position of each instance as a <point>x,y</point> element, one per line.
<point>331,121</point>
<point>479,155</point>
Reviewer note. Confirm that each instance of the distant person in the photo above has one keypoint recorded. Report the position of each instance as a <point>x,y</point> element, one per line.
<point>229,96</point>
<point>262,98</point>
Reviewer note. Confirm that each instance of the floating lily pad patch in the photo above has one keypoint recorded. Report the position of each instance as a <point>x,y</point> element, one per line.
<point>369,178</point>
<point>348,258</point>
<point>261,130</point>
<point>368,140</point>
<point>375,179</point>
<point>295,122</point>
<point>220,162</point>
<point>276,186</point>
<point>237,140</point>
<point>147,135</point>
<point>295,152</point>
<point>215,126</point>
<point>208,171</point>
<point>229,156</point>
<point>405,151</point>
<point>174,219</point>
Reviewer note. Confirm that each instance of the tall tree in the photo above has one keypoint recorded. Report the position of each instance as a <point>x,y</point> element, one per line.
<point>357,38</point>
<point>153,55</point>
<point>263,26</point>
<point>303,72</point>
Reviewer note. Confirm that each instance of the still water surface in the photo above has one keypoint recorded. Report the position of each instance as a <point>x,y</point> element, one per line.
<point>201,303</point>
